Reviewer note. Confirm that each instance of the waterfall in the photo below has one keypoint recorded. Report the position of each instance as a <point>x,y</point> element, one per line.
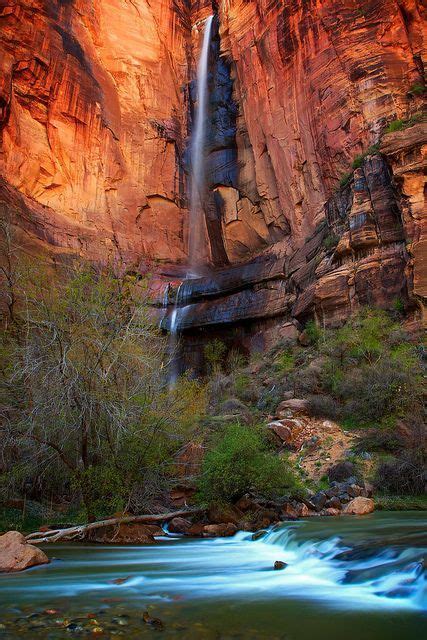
<point>197,229</point>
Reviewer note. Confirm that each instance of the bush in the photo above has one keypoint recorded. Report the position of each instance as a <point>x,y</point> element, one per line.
<point>239,462</point>
<point>405,474</point>
<point>370,370</point>
<point>214,354</point>
<point>371,151</point>
<point>313,331</point>
<point>418,89</point>
<point>399,125</point>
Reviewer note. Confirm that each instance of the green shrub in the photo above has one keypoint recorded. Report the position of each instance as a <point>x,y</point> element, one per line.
<point>418,89</point>
<point>285,361</point>
<point>313,331</point>
<point>399,125</point>
<point>370,370</point>
<point>404,474</point>
<point>345,179</point>
<point>214,353</point>
<point>370,151</point>
<point>239,462</point>
<point>330,242</point>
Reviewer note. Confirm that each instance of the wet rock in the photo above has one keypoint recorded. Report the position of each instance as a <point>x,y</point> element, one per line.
<point>278,565</point>
<point>259,534</point>
<point>153,622</point>
<point>304,512</point>
<point>223,530</point>
<point>16,554</point>
<point>359,506</point>
<point>196,529</point>
<point>289,512</point>
<point>179,525</point>
<point>218,514</point>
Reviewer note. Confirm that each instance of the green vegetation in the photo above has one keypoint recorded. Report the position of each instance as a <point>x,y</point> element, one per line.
<point>345,179</point>
<point>241,461</point>
<point>401,502</point>
<point>86,407</point>
<point>399,125</point>
<point>214,354</point>
<point>371,151</point>
<point>330,242</point>
<point>418,89</point>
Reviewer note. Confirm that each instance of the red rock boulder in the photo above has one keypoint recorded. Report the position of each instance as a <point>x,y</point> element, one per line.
<point>359,506</point>
<point>16,554</point>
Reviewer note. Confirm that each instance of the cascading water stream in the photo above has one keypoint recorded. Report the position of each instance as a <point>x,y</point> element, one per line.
<point>197,192</point>
<point>198,155</point>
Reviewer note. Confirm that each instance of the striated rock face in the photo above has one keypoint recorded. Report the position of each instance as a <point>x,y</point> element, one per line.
<point>96,104</point>
<point>92,121</point>
<point>315,80</point>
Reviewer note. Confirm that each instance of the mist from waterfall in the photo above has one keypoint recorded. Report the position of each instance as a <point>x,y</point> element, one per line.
<point>198,156</point>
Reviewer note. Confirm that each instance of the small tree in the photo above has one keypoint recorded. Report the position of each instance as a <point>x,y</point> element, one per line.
<point>86,385</point>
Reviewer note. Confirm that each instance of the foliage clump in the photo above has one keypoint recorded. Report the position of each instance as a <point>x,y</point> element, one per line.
<point>84,391</point>
<point>241,461</point>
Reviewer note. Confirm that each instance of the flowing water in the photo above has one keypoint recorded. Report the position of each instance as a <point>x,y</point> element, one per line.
<point>198,150</point>
<point>358,578</point>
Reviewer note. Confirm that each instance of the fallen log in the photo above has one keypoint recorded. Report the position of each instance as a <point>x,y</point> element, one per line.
<point>79,531</point>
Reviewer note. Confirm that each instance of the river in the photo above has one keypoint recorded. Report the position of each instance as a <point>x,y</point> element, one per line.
<point>357,578</point>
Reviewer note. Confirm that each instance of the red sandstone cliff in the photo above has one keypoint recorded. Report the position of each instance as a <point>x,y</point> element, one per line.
<point>95,112</point>
<point>92,118</point>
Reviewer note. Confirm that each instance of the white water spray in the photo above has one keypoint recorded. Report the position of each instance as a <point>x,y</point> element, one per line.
<point>198,155</point>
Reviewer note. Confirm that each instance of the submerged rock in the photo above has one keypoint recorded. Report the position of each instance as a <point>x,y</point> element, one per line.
<point>16,554</point>
<point>278,565</point>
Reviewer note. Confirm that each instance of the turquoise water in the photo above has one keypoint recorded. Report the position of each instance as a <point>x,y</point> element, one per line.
<point>361,578</point>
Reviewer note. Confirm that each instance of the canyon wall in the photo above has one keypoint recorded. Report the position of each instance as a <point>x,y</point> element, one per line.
<point>96,106</point>
<point>93,115</point>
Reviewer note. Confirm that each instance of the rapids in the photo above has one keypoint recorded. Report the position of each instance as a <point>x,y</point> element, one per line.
<point>362,577</point>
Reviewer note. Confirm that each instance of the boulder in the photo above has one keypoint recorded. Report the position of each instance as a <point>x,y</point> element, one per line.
<point>359,506</point>
<point>289,512</point>
<point>319,500</point>
<point>16,554</point>
<point>294,405</point>
<point>218,514</point>
<point>125,533</point>
<point>280,565</point>
<point>179,525</point>
<point>330,511</point>
<point>281,432</point>
<point>247,503</point>
<point>333,503</point>
<point>341,471</point>
<point>304,339</point>
<point>222,530</point>
<point>304,512</point>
